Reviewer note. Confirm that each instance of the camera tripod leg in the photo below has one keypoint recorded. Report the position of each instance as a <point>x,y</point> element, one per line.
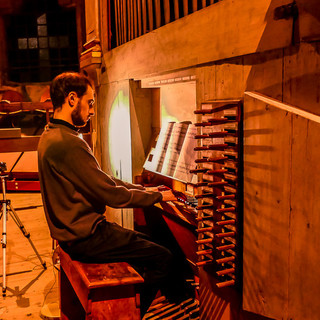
<point>4,216</point>
<point>18,222</point>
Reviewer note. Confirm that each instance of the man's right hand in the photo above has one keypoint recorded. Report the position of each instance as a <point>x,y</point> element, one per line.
<point>167,195</point>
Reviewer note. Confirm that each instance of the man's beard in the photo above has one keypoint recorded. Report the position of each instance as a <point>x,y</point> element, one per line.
<point>77,119</point>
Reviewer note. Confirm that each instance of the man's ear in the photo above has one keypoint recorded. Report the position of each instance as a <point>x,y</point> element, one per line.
<point>72,99</point>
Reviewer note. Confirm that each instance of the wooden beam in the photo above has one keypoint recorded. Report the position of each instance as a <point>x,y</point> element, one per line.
<point>166,8</point>
<point>158,13</point>
<point>136,21</point>
<point>139,17</point>
<point>194,5</point>
<point>92,20</point>
<point>24,106</point>
<point>284,106</point>
<point>127,3</point>
<point>22,144</point>
<point>81,26</point>
<point>125,24</point>
<point>119,20</point>
<point>185,8</point>
<point>144,16</point>
<point>150,14</point>
<point>105,23</point>
<point>132,20</point>
<point>116,15</point>
<point>176,10</point>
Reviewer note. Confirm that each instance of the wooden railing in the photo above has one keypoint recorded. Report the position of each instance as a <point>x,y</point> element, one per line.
<point>132,18</point>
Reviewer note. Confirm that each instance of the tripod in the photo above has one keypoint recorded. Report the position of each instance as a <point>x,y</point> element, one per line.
<point>8,209</point>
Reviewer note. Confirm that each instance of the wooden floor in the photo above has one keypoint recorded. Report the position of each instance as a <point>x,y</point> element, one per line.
<point>31,289</point>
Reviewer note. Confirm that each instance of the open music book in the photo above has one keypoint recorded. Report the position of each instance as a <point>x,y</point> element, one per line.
<point>174,154</point>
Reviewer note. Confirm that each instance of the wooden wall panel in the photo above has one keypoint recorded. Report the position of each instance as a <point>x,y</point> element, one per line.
<point>304,283</point>
<point>230,82</point>
<point>285,285</point>
<point>141,108</point>
<point>204,36</point>
<point>309,19</point>
<point>264,73</point>
<point>267,154</point>
<point>301,85</point>
<point>206,83</point>
<point>231,78</point>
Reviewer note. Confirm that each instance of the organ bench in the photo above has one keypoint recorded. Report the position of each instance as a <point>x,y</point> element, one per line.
<point>98,291</point>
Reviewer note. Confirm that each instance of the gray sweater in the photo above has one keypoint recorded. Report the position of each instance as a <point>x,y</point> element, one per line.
<point>74,189</point>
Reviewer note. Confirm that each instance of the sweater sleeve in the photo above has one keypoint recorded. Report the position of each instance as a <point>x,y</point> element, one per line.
<point>127,184</point>
<point>81,168</point>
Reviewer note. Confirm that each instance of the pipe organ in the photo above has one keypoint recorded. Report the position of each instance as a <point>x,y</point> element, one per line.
<point>219,188</point>
<point>206,221</point>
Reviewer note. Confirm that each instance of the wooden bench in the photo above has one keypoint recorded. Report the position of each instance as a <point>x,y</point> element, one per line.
<point>98,291</point>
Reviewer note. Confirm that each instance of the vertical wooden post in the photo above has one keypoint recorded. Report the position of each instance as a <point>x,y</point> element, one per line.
<point>128,3</point>
<point>158,13</point>
<point>124,18</point>
<point>194,5</point>
<point>166,6</point>
<point>81,30</point>
<point>176,10</point>
<point>130,11</point>
<point>185,7</point>
<point>150,14</point>
<point>116,14</point>
<point>144,17</point>
<point>135,5</point>
<point>120,22</point>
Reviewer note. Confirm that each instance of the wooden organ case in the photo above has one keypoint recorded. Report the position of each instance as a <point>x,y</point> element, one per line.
<point>208,226</point>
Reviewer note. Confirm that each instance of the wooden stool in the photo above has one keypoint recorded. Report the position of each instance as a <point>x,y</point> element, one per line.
<point>98,291</point>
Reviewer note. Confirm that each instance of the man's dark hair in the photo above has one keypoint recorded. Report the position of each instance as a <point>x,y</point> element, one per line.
<point>66,82</point>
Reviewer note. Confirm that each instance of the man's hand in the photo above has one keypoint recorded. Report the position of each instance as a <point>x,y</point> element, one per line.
<point>154,189</point>
<point>167,195</point>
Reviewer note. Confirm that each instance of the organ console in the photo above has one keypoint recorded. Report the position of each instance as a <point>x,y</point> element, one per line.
<point>208,227</point>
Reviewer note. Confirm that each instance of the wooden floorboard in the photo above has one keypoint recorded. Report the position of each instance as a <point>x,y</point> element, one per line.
<point>31,289</point>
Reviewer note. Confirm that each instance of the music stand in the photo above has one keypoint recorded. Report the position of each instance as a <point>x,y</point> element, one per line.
<point>6,207</point>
